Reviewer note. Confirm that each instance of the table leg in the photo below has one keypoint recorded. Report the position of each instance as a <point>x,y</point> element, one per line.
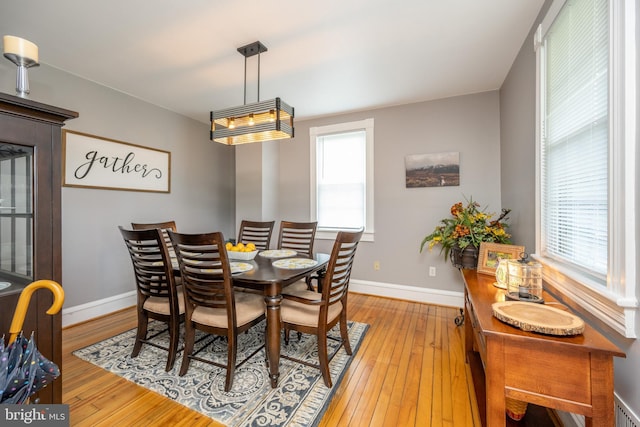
<point>273,299</point>
<point>495,382</point>
<point>602,391</point>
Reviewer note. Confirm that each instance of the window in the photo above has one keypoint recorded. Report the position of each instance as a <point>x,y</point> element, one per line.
<point>586,130</point>
<point>342,178</point>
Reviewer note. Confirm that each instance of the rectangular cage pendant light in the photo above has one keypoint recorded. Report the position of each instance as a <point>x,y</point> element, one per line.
<point>256,122</point>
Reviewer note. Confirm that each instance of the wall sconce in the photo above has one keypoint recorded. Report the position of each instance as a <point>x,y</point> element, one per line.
<point>24,54</point>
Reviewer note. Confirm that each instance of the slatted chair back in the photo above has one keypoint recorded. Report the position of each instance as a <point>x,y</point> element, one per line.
<point>256,232</point>
<point>205,270</point>
<point>297,236</point>
<point>336,280</point>
<point>163,226</point>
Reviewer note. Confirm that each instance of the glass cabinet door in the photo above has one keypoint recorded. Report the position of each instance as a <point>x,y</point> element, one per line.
<point>16,212</point>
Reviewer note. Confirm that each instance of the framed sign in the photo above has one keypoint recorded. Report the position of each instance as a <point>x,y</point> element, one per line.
<point>490,253</point>
<point>95,162</point>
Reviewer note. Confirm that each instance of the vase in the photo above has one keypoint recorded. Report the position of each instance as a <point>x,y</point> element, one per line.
<point>466,258</point>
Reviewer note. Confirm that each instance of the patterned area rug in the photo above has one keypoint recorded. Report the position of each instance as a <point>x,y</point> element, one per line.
<point>299,400</point>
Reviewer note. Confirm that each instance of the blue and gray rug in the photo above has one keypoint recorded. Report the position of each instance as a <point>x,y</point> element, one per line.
<point>299,400</point>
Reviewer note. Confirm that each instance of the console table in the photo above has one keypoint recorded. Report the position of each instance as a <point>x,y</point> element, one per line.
<point>573,374</point>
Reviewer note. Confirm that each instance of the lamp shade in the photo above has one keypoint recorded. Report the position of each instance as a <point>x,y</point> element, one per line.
<point>256,122</point>
<point>20,51</point>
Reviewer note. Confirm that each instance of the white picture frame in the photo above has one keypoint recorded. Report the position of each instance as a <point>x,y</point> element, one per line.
<point>91,161</point>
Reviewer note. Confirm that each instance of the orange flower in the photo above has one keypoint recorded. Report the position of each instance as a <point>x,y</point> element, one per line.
<point>456,209</point>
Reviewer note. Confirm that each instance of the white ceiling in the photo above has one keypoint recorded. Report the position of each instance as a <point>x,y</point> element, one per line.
<point>324,57</point>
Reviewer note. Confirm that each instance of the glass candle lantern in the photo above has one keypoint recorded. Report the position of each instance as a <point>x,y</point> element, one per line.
<point>525,280</point>
<point>502,273</point>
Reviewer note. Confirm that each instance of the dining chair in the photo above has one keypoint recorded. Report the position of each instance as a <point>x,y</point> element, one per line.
<point>256,232</point>
<point>158,296</point>
<point>163,226</point>
<point>299,236</point>
<point>211,304</point>
<point>316,313</point>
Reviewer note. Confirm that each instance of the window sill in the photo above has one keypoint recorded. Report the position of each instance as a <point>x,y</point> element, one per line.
<point>326,234</point>
<point>615,312</point>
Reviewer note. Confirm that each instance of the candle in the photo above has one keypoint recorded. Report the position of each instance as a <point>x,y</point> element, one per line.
<point>21,48</point>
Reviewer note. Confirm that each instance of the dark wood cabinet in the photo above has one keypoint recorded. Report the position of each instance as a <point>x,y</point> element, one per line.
<point>30,219</point>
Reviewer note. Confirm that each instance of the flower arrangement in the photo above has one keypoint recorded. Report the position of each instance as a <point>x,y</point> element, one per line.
<point>468,225</point>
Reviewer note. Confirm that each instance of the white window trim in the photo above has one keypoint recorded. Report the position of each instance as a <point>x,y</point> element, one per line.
<point>616,305</point>
<point>367,125</point>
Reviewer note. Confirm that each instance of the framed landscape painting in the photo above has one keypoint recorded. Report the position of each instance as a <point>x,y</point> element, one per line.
<point>432,170</point>
<point>490,253</point>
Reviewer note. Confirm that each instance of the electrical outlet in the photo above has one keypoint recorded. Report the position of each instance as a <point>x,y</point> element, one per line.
<point>432,272</point>
<point>376,265</point>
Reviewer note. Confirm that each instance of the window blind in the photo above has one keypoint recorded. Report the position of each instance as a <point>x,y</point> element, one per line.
<point>341,179</point>
<point>575,137</point>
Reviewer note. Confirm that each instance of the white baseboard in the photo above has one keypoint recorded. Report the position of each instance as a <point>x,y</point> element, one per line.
<point>625,417</point>
<point>410,293</point>
<point>84,312</point>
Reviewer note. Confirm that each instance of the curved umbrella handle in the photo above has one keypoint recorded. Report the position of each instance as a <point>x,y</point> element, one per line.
<point>25,298</point>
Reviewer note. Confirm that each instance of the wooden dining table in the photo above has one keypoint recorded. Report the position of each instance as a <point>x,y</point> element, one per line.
<point>271,281</point>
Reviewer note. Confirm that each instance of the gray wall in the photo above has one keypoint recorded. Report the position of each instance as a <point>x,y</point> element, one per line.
<point>517,147</point>
<point>95,262</point>
<point>403,216</point>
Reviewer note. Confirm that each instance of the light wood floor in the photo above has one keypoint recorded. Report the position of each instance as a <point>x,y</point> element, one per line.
<point>409,371</point>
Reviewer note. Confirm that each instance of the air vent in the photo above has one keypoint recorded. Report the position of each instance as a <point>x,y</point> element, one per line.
<point>624,417</point>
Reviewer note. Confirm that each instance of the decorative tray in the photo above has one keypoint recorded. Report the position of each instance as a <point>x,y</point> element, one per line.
<point>278,253</point>
<point>295,263</point>
<point>538,318</point>
<point>240,267</point>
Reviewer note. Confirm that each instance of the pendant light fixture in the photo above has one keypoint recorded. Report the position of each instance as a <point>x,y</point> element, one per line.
<point>256,122</point>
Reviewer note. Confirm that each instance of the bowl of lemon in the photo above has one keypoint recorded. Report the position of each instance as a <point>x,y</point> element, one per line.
<point>241,251</point>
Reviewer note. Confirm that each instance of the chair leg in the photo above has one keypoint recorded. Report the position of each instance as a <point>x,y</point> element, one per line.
<point>286,336</point>
<point>309,280</point>
<point>232,348</point>
<point>189,337</point>
<point>174,335</point>
<point>143,321</point>
<point>324,359</point>
<point>266,350</point>
<point>344,334</point>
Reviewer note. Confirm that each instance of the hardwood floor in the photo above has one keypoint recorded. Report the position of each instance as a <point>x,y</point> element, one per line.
<point>409,371</point>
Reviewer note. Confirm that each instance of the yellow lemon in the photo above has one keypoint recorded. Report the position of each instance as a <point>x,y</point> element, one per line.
<point>251,247</point>
<point>240,246</point>
<point>229,245</point>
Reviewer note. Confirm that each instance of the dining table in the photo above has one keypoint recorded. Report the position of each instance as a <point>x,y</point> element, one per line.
<point>270,274</point>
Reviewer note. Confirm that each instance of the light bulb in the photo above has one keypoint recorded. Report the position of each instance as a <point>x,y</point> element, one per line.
<point>232,123</point>
<point>251,122</point>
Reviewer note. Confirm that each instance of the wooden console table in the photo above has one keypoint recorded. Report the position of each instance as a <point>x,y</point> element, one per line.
<point>573,374</point>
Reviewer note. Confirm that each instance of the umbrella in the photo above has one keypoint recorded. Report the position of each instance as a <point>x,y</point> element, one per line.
<point>23,370</point>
